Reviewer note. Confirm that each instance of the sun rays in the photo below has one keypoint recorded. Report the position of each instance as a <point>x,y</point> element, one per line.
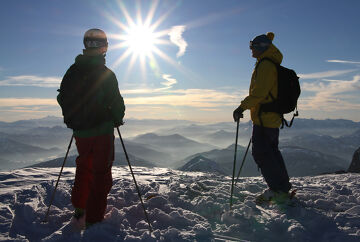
<point>140,39</point>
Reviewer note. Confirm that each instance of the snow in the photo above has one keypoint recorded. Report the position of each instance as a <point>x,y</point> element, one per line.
<point>182,206</point>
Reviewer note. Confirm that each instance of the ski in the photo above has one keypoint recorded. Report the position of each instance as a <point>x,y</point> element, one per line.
<point>220,237</point>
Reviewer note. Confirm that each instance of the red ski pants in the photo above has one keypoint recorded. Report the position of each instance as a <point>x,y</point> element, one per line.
<point>93,179</point>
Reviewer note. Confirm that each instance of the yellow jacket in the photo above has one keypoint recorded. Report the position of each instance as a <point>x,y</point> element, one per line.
<point>263,82</point>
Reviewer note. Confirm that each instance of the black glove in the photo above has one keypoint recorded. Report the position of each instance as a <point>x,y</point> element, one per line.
<point>118,123</point>
<point>238,113</point>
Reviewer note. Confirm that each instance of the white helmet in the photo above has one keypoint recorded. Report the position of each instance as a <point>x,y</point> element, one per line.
<point>95,38</point>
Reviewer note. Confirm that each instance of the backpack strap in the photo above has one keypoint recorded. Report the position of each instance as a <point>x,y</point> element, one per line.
<point>284,121</point>
<point>271,96</point>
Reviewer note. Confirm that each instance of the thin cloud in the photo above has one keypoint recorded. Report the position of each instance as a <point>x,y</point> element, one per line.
<point>138,91</point>
<point>193,104</point>
<point>23,102</point>
<point>168,84</point>
<point>326,74</point>
<point>177,39</point>
<point>13,110</point>
<point>31,80</point>
<point>344,62</point>
<point>332,95</point>
<point>333,86</point>
<point>169,81</point>
<point>200,98</point>
<point>184,97</point>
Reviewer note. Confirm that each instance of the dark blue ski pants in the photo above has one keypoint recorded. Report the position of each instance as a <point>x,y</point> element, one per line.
<point>268,157</point>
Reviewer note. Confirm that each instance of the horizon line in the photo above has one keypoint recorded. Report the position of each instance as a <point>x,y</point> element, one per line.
<point>158,119</point>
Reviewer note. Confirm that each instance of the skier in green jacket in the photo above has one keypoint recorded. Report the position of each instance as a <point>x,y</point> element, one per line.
<point>92,106</point>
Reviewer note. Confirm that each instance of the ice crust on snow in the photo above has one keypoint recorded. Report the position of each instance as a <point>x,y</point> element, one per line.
<point>182,206</point>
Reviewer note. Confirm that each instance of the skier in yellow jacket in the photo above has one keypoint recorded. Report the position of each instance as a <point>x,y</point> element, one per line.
<point>265,137</point>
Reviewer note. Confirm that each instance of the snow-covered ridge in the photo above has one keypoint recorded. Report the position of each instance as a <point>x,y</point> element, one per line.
<point>201,163</point>
<point>182,206</point>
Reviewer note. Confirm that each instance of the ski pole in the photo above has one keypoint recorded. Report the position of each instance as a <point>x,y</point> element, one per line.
<point>243,161</point>
<point>233,175</point>
<point>62,167</point>
<point>132,173</point>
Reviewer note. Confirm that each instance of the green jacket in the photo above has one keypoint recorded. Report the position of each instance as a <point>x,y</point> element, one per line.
<point>109,94</point>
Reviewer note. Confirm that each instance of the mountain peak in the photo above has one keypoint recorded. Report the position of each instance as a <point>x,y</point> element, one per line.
<point>202,164</point>
<point>147,136</point>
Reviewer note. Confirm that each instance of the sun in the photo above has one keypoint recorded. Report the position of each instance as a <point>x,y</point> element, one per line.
<point>140,40</point>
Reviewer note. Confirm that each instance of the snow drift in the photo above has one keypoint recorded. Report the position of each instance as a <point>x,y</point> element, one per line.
<point>182,206</point>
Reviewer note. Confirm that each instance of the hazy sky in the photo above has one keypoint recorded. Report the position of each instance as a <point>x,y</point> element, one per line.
<point>189,60</point>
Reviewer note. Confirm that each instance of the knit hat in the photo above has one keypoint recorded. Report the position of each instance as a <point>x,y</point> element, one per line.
<point>262,42</point>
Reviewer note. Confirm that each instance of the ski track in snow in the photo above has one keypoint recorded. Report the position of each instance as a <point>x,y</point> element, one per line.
<point>182,206</point>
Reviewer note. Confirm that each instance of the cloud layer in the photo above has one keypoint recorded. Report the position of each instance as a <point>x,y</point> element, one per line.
<point>332,95</point>
<point>325,93</point>
<point>194,98</point>
<point>22,102</point>
<point>31,80</point>
<point>322,91</point>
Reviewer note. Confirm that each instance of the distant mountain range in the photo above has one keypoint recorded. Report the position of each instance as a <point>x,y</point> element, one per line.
<point>15,152</point>
<point>353,140</point>
<point>299,161</point>
<point>177,146</point>
<point>221,137</point>
<point>342,147</point>
<point>218,134</point>
<point>24,125</point>
<point>143,152</point>
<point>131,127</point>
<point>225,159</point>
<point>306,162</point>
<point>120,160</point>
<point>301,123</point>
<point>45,137</point>
<point>329,144</point>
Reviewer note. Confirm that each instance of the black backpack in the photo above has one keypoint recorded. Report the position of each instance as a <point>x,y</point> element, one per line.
<point>288,94</point>
<point>80,98</point>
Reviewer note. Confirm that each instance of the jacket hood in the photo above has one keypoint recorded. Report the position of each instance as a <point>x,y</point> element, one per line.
<point>273,53</point>
<point>88,61</point>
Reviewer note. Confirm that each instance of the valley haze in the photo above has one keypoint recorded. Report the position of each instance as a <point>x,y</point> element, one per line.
<point>310,147</point>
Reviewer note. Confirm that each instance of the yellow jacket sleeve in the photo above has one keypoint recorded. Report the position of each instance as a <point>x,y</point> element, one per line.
<point>262,82</point>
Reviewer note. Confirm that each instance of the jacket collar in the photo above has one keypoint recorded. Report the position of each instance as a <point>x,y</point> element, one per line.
<point>273,53</point>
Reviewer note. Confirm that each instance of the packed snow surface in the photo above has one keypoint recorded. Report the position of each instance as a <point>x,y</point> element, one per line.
<point>182,206</point>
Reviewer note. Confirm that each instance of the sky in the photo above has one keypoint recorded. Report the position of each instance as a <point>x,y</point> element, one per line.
<point>181,59</point>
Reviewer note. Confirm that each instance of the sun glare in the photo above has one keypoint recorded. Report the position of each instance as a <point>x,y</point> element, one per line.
<point>140,40</point>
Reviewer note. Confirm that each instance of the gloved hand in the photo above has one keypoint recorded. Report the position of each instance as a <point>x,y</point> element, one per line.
<point>238,113</point>
<point>118,123</point>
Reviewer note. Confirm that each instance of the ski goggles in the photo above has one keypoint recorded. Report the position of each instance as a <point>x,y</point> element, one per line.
<point>95,43</point>
<point>258,45</point>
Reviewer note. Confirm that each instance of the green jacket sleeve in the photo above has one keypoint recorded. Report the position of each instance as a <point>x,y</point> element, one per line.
<point>114,100</point>
<point>262,82</point>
